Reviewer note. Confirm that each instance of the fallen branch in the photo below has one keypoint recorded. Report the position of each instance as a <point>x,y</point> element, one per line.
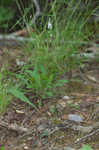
<point>37,14</point>
<point>28,28</point>
<point>11,40</point>
<point>24,32</point>
<point>18,40</point>
<point>96,132</point>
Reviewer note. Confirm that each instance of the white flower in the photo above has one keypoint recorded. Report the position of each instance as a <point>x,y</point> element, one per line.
<point>49,24</point>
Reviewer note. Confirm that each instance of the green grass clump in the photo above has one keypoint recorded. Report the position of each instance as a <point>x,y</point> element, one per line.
<point>54,51</point>
<point>5,98</point>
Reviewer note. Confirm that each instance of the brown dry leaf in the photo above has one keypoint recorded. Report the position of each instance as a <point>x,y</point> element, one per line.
<point>49,114</point>
<point>91,78</point>
<point>23,32</point>
<point>62,103</point>
<point>97,98</point>
<point>19,111</point>
<point>90,99</point>
<point>93,49</point>
<point>64,117</point>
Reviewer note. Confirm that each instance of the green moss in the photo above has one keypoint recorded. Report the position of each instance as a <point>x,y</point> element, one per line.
<point>78,86</point>
<point>57,122</point>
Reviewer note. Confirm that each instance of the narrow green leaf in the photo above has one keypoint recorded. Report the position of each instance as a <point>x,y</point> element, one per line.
<point>43,70</point>
<point>45,133</point>
<point>21,96</point>
<point>36,76</point>
<point>62,81</point>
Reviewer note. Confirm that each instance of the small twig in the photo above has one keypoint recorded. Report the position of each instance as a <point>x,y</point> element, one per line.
<point>87,136</point>
<point>11,40</point>
<point>53,131</point>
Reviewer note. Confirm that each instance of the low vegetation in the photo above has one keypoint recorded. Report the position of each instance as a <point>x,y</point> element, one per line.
<point>53,52</point>
<point>59,36</point>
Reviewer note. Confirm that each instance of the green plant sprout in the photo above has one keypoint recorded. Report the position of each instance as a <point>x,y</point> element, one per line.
<point>86,147</point>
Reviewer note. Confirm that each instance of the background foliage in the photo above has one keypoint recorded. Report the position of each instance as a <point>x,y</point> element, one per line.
<point>12,12</point>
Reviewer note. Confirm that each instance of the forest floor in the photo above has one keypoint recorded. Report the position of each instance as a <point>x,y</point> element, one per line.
<point>66,122</point>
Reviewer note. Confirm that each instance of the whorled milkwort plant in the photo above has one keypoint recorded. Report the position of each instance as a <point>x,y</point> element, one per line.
<point>54,51</point>
<point>39,82</point>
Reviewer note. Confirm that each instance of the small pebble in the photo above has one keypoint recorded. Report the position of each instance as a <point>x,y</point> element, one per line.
<point>74,117</point>
<point>26,148</point>
<point>68,148</point>
<point>66,97</point>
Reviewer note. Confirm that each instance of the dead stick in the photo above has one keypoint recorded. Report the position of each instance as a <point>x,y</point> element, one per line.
<point>87,136</point>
